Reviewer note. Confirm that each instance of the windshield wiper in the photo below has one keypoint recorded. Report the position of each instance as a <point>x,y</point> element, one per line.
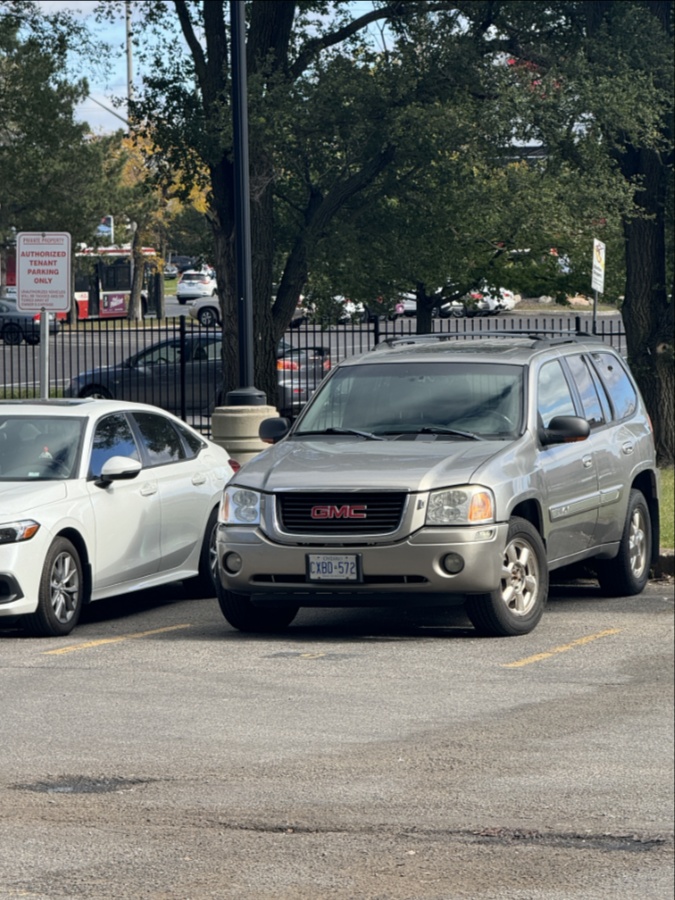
<point>441,429</point>
<point>334,430</point>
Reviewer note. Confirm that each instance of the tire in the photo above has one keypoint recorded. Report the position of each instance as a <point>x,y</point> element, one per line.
<point>12,334</point>
<point>204,583</point>
<point>32,339</point>
<point>524,584</point>
<point>240,612</point>
<point>97,391</point>
<point>628,573</point>
<point>61,593</point>
<point>208,317</point>
<point>458,312</point>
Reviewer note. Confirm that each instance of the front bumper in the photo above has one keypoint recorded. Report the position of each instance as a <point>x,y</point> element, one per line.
<point>413,565</point>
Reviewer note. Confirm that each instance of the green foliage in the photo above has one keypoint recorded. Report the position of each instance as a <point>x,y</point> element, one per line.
<point>667,509</point>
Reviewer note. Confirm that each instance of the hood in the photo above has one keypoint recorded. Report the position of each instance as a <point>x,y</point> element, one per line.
<point>354,464</point>
<point>25,498</point>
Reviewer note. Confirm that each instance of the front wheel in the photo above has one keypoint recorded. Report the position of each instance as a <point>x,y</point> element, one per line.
<point>61,592</point>
<point>517,605</point>
<point>208,317</point>
<point>96,391</point>
<point>244,616</point>
<point>627,574</point>
<point>12,334</point>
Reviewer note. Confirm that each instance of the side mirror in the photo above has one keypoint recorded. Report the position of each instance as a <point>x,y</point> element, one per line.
<point>564,430</point>
<point>270,431</point>
<point>118,468</point>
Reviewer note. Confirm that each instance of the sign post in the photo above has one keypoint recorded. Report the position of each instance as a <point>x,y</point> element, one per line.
<point>43,284</point>
<point>597,277</point>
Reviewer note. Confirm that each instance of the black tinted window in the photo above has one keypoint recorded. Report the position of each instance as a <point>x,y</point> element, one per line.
<point>587,390</point>
<point>113,437</point>
<point>193,441</point>
<point>160,438</point>
<point>615,378</point>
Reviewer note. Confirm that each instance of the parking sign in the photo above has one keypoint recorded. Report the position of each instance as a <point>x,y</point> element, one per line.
<point>43,278</point>
<point>598,273</point>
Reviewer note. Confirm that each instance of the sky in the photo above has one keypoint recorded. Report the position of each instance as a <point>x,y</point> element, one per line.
<point>98,109</point>
<point>103,86</point>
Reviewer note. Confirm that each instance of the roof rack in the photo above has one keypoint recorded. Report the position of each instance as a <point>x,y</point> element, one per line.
<point>562,337</point>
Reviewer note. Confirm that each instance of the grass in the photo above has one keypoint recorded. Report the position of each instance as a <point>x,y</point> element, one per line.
<point>667,509</point>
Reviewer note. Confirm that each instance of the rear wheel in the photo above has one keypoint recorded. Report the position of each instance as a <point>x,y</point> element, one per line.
<point>60,595</point>
<point>627,574</point>
<point>204,584</point>
<point>12,334</point>
<point>518,603</point>
<point>244,616</point>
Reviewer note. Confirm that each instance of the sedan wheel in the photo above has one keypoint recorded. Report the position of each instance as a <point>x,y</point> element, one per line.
<point>60,595</point>
<point>96,391</point>
<point>518,603</point>
<point>12,334</point>
<point>208,317</point>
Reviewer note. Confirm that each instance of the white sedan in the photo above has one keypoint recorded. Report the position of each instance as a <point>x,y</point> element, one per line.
<point>98,498</point>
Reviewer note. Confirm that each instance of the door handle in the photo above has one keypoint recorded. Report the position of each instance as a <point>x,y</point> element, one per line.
<point>628,448</point>
<point>199,479</point>
<point>587,461</point>
<point>148,489</point>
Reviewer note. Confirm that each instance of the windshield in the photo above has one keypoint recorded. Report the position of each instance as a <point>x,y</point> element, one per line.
<point>452,400</point>
<point>34,448</point>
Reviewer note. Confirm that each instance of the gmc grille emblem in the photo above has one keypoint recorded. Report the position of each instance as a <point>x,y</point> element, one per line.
<point>339,512</point>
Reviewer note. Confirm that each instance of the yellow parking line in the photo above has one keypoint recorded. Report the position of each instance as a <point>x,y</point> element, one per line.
<point>563,649</point>
<point>125,637</point>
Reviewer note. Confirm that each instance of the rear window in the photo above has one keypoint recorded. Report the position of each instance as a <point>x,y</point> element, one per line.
<point>617,383</point>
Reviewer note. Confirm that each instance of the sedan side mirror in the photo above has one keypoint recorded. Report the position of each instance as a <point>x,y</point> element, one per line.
<point>564,430</point>
<point>118,468</point>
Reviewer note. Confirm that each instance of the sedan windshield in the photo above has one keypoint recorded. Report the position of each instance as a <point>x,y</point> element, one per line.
<point>34,448</point>
<point>444,401</point>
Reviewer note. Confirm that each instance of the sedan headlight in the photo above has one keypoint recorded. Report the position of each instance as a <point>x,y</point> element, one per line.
<point>240,506</point>
<point>14,532</point>
<point>465,505</point>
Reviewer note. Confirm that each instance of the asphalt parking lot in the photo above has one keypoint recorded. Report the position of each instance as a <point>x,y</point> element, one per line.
<point>157,753</point>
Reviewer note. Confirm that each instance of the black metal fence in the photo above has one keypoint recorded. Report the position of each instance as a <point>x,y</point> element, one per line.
<point>104,348</point>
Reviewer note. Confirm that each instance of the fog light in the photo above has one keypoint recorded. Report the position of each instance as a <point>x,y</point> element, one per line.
<point>453,563</point>
<point>232,563</point>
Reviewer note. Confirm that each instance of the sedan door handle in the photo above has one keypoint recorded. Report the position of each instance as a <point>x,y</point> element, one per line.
<point>587,461</point>
<point>200,478</point>
<point>148,489</point>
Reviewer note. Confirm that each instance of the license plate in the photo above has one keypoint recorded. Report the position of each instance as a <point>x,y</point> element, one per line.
<point>333,567</point>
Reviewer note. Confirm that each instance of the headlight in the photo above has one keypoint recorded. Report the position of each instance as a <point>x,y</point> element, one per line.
<point>240,506</point>
<point>13,532</point>
<point>466,505</point>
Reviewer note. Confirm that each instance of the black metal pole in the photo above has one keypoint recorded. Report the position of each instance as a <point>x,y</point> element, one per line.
<point>246,394</point>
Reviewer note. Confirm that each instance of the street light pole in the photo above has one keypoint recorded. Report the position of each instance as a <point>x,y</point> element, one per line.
<point>246,394</point>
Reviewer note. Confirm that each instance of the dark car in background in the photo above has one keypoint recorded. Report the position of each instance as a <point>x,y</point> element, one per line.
<point>17,325</point>
<point>155,375</point>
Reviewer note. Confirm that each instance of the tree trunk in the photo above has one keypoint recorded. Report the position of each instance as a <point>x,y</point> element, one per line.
<point>138,270</point>
<point>647,312</point>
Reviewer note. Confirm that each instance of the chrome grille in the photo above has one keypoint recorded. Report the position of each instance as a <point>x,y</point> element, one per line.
<point>374,512</point>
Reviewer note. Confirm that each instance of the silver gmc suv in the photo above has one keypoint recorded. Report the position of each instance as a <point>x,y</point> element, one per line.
<point>436,470</point>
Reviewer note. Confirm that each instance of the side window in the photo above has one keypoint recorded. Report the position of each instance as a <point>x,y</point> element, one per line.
<point>160,438</point>
<point>553,393</point>
<point>113,437</point>
<point>617,383</point>
<point>163,353</point>
<point>587,390</point>
<point>193,442</point>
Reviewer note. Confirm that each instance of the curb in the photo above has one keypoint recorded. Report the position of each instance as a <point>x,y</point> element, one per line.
<point>665,565</point>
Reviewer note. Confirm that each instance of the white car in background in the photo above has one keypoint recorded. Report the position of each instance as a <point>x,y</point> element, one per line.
<point>99,498</point>
<point>206,310</point>
<point>194,284</point>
